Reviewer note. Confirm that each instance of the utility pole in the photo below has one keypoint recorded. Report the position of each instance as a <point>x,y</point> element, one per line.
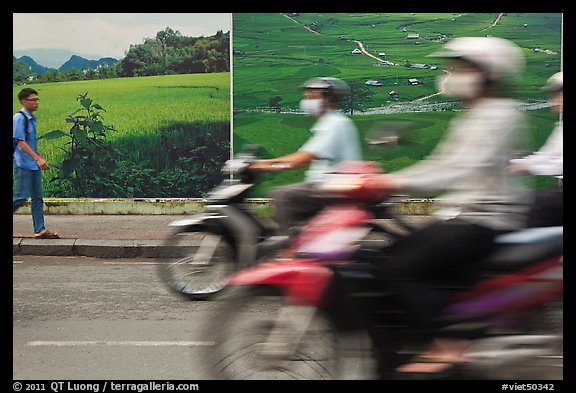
<point>561,181</point>
<point>231,49</point>
<point>562,50</point>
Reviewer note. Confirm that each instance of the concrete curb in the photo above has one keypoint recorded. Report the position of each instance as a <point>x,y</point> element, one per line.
<point>169,206</point>
<point>88,247</point>
<point>118,206</point>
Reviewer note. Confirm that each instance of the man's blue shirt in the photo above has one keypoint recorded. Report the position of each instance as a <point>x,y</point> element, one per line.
<point>21,159</point>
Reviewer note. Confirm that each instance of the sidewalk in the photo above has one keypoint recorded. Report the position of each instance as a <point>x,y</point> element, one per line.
<point>101,236</point>
<point>121,228</point>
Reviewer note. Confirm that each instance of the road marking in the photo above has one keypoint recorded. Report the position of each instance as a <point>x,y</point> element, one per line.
<point>17,261</point>
<point>131,263</point>
<point>121,343</point>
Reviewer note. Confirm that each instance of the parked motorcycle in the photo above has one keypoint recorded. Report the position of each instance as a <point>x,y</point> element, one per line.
<point>326,314</point>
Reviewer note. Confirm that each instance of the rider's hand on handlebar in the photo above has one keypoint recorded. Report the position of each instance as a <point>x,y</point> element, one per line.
<point>269,165</point>
<point>519,169</point>
<point>260,165</point>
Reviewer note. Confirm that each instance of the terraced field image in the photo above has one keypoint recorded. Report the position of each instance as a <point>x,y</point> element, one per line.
<point>384,58</point>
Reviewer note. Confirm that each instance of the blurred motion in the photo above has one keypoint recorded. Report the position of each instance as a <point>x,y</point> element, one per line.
<point>206,248</point>
<point>473,294</point>
<point>478,199</point>
<point>328,313</point>
<point>334,140</point>
<point>389,133</point>
<point>548,204</point>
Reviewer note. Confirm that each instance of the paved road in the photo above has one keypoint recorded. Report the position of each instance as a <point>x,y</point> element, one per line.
<point>81,318</point>
<point>85,318</point>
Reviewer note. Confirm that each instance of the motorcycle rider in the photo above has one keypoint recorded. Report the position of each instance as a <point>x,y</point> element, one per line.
<point>548,205</point>
<point>334,139</point>
<point>479,197</point>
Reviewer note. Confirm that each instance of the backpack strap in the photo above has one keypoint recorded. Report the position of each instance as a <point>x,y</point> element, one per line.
<point>26,132</point>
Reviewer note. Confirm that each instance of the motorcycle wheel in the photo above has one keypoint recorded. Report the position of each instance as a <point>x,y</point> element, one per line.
<point>536,353</point>
<point>195,264</point>
<point>251,343</point>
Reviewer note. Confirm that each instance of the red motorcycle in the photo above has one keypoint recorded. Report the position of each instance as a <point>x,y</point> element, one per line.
<point>320,316</point>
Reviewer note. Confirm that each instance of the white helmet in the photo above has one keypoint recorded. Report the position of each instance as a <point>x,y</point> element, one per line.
<point>499,57</point>
<point>554,83</point>
<point>333,87</point>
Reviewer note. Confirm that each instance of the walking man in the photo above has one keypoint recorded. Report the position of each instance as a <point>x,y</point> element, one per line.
<point>28,164</point>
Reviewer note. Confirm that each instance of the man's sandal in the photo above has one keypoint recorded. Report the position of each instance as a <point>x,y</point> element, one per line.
<point>46,234</point>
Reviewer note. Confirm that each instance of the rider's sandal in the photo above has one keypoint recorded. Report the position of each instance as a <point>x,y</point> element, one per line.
<point>454,370</point>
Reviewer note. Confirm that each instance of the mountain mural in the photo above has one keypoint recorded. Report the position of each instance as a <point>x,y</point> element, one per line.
<point>20,71</point>
<point>168,53</point>
<point>81,64</point>
<point>75,62</point>
<point>34,67</point>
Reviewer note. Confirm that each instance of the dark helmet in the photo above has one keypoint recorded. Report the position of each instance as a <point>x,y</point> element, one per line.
<point>334,88</point>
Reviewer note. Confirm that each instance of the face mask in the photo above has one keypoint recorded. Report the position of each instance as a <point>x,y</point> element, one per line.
<point>312,106</point>
<point>460,85</point>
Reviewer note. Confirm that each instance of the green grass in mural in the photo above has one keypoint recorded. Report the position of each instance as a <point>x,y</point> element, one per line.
<point>143,110</point>
<point>280,134</point>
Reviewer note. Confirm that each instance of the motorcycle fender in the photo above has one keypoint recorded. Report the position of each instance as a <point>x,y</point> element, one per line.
<point>302,281</point>
<point>196,219</point>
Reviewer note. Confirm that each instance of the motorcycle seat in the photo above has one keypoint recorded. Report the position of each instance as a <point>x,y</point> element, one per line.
<point>525,247</point>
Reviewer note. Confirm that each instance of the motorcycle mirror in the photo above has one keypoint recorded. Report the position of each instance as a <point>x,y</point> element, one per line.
<point>251,149</point>
<point>387,133</point>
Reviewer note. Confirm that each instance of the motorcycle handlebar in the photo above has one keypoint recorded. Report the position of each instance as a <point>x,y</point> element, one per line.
<point>236,165</point>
